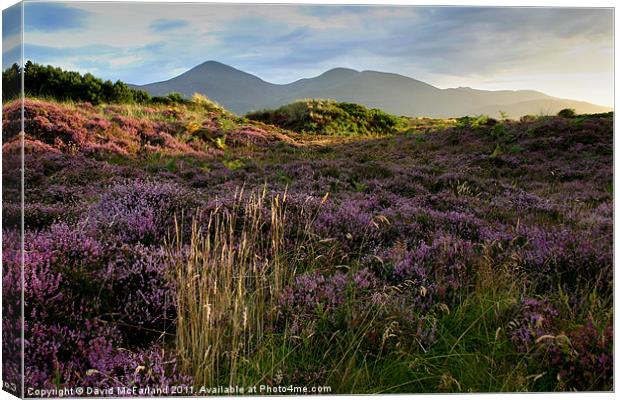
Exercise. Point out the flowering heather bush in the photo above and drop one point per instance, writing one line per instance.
(351, 223)
(58, 354)
(318, 303)
(440, 268)
(49, 123)
(585, 361)
(314, 292)
(555, 257)
(524, 202)
(141, 293)
(151, 135)
(88, 356)
(125, 130)
(69, 284)
(45, 306)
(137, 211)
(249, 135)
(535, 320)
(411, 324)
(14, 146)
(11, 305)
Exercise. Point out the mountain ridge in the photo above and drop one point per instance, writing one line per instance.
(242, 92)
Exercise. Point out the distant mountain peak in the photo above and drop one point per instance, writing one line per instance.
(214, 65)
(216, 70)
(339, 72)
(213, 62)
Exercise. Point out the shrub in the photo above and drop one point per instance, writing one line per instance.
(473, 122)
(534, 320)
(585, 361)
(313, 294)
(141, 293)
(170, 98)
(567, 113)
(136, 211)
(207, 104)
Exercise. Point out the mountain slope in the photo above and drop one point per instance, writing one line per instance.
(235, 89)
(241, 92)
(545, 106)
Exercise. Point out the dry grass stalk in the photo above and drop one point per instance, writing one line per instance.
(228, 281)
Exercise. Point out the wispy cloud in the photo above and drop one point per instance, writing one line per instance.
(163, 25)
(53, 17)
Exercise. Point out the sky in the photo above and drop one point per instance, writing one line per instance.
(564, 52)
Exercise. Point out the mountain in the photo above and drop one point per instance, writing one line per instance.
(236, 90)
(241, 92)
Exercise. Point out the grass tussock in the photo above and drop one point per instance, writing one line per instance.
(228, 280)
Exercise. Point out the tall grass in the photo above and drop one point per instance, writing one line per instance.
(228, 281)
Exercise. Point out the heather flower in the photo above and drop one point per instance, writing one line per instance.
(584, 361)
(140, 211)
(315, 294)
(11, 305)
(534, 320)
(141, 292)
(559, 256)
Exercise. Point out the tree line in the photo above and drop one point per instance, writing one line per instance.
(50, 81)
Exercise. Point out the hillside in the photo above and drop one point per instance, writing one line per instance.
(397, 94)
(327, 117)
(485, 242)
(197, 128)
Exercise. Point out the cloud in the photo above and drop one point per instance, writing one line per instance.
(11, 36)
(162, 25)
(467, 41)
(329, 11)
(53, 17)
(103, 61)
(446, 46)
(453, 41)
